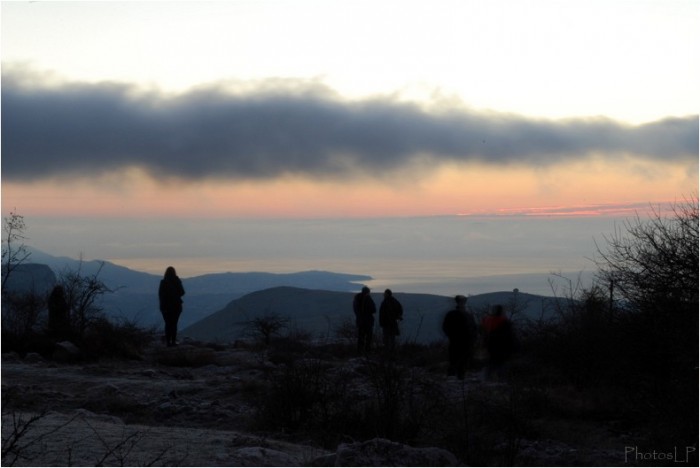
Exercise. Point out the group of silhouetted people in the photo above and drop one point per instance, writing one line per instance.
(461, 330)
(390, 313)
(458, 325)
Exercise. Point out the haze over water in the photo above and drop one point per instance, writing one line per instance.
(441, 255)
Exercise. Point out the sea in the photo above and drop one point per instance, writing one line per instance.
(445, 255)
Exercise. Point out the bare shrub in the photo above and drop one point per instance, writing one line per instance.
(120, 452)
(388, 381)
(300, 397)
(266, 327)
(346, 331)
(652, 268)
(405, 400)
(14, 252)
(632, 335)
(23, 435)
(120, 339)
(83, 293)
(26, 438)
(21, 320)
(653, 263)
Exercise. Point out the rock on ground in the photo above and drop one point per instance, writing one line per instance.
(382, 452)
(84, 438)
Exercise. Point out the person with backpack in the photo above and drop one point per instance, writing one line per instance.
(364, 308)
(170, 294)
(460, 328)
(390, 312)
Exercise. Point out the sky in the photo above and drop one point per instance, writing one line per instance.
(183, 121)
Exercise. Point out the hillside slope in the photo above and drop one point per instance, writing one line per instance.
(322, 312)
(134, 294)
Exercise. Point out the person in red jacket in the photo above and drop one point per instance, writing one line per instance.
(499, 339)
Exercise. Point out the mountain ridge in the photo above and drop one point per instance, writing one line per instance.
(134, 293)
(323, 313)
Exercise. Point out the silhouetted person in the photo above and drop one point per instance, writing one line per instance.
(59, 313)
(170, 295)
(390, 312)
(460, 328)
(364, 309)
(499, 339)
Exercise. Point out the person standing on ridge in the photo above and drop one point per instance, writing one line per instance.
(170, 294)
(390, 312)
(460, 328)
(364, 309)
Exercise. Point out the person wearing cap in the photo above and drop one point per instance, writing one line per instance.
(390, 312)
(364, 309)
(460, 328)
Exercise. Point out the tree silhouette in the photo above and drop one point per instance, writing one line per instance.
(267, 326)
(14, 252)
(653, 264)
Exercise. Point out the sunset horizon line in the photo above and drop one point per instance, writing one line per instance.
(574, 210)
(585, 210)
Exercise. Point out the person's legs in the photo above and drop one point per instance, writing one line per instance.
(364, 339)
(452, 362)
(173, 330)
(170, 327)
(168, 332)
(461, 365)
(166, 327)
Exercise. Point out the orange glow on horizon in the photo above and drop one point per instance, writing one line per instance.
(450, 189)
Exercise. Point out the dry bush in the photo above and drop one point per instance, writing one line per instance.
(622, 365)
(346, 331)
(331, 401)
(267, 327)
(107, 339)
(302, 396)
(22, 327)
(432, 356)
(20, 313)
(28, 439)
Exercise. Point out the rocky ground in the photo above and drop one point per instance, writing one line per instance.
(192, 406)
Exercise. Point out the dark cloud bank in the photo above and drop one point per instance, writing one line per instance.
(88, 128)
